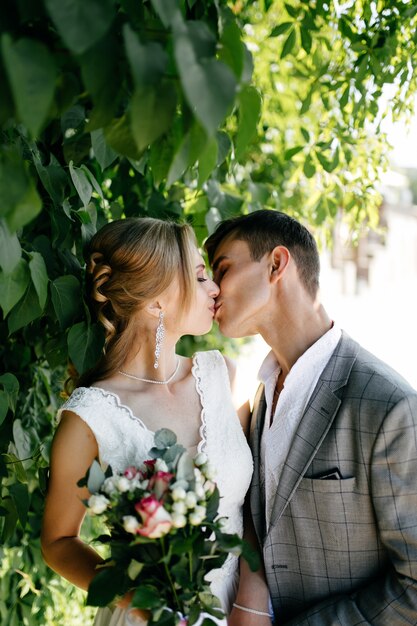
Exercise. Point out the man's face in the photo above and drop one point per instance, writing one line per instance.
(244, 288)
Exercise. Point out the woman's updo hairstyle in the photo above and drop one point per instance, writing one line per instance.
(130, 262)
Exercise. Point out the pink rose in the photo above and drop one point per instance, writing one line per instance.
(159, 483)
(130, 472)
(156, 520)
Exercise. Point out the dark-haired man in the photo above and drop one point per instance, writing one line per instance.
(334, 439)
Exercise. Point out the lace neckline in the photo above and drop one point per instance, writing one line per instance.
(195, 371)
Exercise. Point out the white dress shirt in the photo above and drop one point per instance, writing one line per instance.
(298, 387)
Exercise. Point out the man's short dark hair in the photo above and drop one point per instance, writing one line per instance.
(264, 230)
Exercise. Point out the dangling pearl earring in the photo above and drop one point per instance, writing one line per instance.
(159, 338)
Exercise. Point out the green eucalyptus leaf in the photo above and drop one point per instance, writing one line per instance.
(85, 344)
(66, 299)
(81, 24)
(13, 286)
(164, 438)
(32, 72)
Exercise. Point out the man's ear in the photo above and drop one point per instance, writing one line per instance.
(280, 258)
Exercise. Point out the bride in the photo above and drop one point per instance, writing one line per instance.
(149, 286)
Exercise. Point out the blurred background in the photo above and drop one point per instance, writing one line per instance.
(369, 287)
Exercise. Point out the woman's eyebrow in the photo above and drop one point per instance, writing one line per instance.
(200, 266)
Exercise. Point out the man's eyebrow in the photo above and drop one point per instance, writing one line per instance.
(218, 261)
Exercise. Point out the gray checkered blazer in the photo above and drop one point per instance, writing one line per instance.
(344, 552)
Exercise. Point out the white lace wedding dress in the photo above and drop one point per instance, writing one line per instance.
(123, 440)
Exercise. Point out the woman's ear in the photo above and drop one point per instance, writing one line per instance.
(280, 258)
(153, 309)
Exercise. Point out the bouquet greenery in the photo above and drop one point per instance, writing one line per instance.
(165, 535)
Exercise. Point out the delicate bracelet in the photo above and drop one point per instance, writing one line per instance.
(254, 611)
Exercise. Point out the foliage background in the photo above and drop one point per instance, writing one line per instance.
(179, 109)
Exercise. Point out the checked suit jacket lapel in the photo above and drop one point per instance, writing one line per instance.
(256, 496)
(315, 423)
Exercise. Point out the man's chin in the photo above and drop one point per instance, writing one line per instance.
(229, 331)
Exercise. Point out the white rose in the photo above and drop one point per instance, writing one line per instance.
(199, 491)
(178, 520)
(97, 504)
(123, 484)
(195, 520)
(200, 510)
(130, 524)
(109, 485)
(209, 486)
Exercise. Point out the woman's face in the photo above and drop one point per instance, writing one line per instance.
(198, 319)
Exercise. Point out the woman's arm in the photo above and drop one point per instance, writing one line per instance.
(73, 450)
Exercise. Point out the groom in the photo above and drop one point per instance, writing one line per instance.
(334, 440)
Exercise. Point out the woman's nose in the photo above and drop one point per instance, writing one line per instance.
(214, 289)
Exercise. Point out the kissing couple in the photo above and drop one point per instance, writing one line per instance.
(327, 462)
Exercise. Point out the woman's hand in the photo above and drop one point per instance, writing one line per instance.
(135, 616)
(238, 617)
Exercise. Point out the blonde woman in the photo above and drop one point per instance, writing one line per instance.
(150, 287)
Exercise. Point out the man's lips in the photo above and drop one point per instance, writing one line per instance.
(217, 307)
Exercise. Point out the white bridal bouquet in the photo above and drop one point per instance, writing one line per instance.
(165, 535)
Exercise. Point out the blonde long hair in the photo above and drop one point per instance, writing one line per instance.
(130, 262)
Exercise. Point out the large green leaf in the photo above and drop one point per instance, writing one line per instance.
(152, 111)
(25, 311)
(104, 154)
(104, 587)
(32, 72)
(19, 200)
(119, 137)
(20, 494)
(13, 286)
(4, 405)
(66, 299)
(10, 249)
(187, 154)
(148, 61)
(209, 85)
(249, 112)
(11, 388)
(39, 277)
(81, 183)
(81, 24)
(85, 343)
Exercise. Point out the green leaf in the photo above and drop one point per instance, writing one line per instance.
(85, 343)
(289, 43)
(146, 597)
(209, 85)
(134, 569)
(81, 24)
(249, 113)
(39, 277)
(106, 584)
(13, 286)
(280, 29)
(15, 465)
(148, 62)
(104, 154)
(20, 495)
(4, 405)
(168, 12)
(309, 168)
(32, 73)
(152, 112)
(10, 250)
(306, 40)
(119, 136)
(232, 49)
(207, 161)
(292, 11)
(25, 311)
(66, 299)
(10, 520)
(164, 438)
(81, 184)
(189, 150)
(19, 200)
(288, 154)
(11, 388)
(53, 177)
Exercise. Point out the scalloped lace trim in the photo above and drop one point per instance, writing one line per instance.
(196, 372)
(108, 395)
